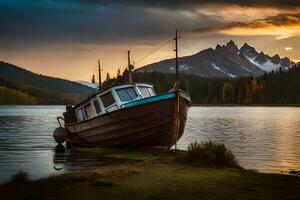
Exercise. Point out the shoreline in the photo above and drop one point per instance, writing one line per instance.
(155, 176)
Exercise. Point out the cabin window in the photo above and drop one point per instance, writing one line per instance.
(97, 106)
(126, 94)
(80, 114)
(89, 112)
(107, 99)
(110, 109)
(146, 91)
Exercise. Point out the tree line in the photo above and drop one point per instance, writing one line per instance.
(11, 96)
(276, 87)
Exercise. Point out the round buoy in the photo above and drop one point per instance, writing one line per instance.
(60, 135)
(60, 149)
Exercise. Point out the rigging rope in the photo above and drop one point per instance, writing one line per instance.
(187, 46)
(193, 53)
(153, 51)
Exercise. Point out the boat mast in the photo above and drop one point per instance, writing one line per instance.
(176, 52)
(129, 69)
(99, 70)
(176, 87)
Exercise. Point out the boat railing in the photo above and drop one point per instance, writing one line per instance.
(151, 99)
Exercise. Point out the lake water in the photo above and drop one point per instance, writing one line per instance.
(262, 138)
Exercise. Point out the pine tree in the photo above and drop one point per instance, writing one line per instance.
(93, 80)
(119, 73)
(227, 93)
(107, 77)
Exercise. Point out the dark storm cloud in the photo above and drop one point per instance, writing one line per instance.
(184, 4)
(89, 22)
(25, 22)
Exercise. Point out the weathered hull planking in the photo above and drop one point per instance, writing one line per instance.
(146, 125)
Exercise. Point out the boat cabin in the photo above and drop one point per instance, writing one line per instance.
(112, 99)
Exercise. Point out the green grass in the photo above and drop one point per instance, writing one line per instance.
(157, 176)
(121, 153)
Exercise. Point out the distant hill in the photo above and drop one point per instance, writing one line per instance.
(43, 89)
(89, 84)
(223, 61)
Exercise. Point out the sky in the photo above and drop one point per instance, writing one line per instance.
(65, 38)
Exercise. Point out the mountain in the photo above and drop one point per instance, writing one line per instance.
(89, 84)
(223, 61)
(276, 87)
(263, 61)
(42, 89)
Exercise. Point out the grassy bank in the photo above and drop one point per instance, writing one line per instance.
(155, 176)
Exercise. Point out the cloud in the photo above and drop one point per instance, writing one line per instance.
(281, 26)
(82, 22)
(64, 37)
(188, 4)
(25, 22)
(278, 20)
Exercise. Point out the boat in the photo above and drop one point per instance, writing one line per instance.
(129, 115)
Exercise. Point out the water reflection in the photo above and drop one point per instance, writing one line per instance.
(263, 138)
(25, 140)
(267, 139)
(72, 160)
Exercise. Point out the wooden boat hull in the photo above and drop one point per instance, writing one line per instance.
(152, 123)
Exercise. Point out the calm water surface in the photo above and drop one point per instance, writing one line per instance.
(262, 138)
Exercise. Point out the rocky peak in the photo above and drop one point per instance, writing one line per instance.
(224, 61)
(249, 51)
(275, 59)
(218, 47)
(231, 46)
(246, 45)
(261, 58)
(286, 62)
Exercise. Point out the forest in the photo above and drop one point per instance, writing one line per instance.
(20, 86)
(276, 87)
(11, 96)
(282, 87)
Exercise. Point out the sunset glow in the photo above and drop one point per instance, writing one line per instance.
(66, 38)
(281, 32)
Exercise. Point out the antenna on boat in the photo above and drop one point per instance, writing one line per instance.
(129, 69)
(99, 70)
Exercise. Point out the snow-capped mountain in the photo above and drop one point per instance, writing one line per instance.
(263, 61)
(223, 61)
